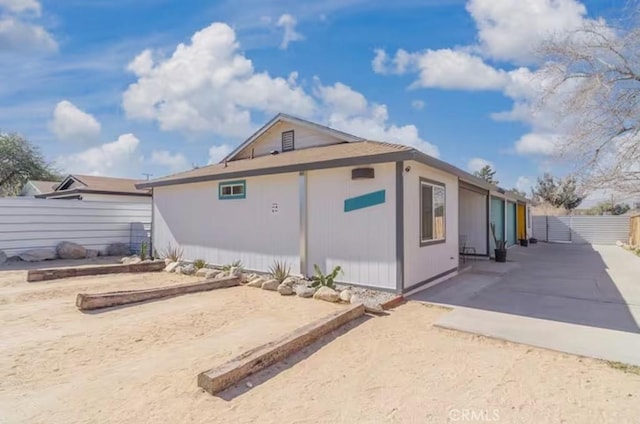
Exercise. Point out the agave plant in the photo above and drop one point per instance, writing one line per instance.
(199, 263)
(280, 271)
(320, 279)
(172, 252)
(235, 264)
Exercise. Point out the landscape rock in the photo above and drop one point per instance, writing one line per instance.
(171, 267)
(235, 271)
(129, 260)
(221, 275)
(178, 269)
(304, 291)
(69, 250)
(167, 261)
(201, 272)
(345, 295)
(211, 273)
(3, 257)
(374, 308)
(327, 294)
(118, 249)
(188, 269)
(92, 253)
(35, 255)
(290, 281)
(271, 284)
(256, 282)
(285, 289)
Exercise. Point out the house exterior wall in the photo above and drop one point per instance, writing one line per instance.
(258, 229)
(473, 219)
(428, 262)
(116, 198)
(361, 241)
(29, 190)
(272, 140)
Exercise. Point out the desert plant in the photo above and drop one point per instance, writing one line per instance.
(199, 263)
(143, 250)
(500, 244)
(280, 271)
(235, 264)
(320, 280)
(172, 252)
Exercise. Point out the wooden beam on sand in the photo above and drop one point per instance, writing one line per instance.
(56, 273)
(87, 302)
(219, 378)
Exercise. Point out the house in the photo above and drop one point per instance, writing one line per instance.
(391, 216)
(35, 187)
(105, 189)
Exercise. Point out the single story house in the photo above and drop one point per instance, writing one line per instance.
(391, 216)
(104, 189)
(34, 187)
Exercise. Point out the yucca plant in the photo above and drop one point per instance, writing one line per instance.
(280, 271)
(235, 264)
(500, 244)
(172, 252)
(319, 279)
(143, 250)
(199, 263)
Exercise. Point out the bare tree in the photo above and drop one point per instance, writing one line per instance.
(593, 74)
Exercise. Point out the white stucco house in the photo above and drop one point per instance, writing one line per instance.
(391, 216)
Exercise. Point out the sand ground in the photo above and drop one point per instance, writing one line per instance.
(139, 364)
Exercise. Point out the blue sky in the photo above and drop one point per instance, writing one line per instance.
(102, 86)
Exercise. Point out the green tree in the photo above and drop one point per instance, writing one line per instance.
(21, 161)
(559, 192)
(609, 208)
(518, 192)
(487, 174)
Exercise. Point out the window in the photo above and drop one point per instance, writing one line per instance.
(232, 190)
(287, 141)
(432, 212)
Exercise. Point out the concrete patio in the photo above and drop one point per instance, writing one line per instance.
(578, 299)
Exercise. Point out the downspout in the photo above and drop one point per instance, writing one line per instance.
(302, 197)
(399, 227)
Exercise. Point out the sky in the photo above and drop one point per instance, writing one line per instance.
(128, 88)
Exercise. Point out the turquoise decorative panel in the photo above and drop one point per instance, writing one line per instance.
(364, 201)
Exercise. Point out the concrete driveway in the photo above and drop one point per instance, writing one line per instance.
(579, 299)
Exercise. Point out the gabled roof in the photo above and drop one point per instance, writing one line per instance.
(97, 185)
(283, 117)
(44, 186)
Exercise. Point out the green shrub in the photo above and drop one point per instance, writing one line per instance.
(235, 264)
(199, 263)
(143, 251)
(174, 253)
(319, 279)
(280, 271)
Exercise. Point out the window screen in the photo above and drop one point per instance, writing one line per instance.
(432, 212)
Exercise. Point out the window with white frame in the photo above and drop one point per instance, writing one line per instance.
(432, 212)
(232, 190)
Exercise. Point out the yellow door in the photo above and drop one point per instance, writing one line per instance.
(522, 220)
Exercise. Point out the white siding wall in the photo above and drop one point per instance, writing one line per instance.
(272, 140)
(422, 263)
(362, 241)
(473, 219)
(27, 223)
(222, 231)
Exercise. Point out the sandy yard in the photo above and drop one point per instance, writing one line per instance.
(139, 364)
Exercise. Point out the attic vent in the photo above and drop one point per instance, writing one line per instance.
(362, 173)
(287, 141)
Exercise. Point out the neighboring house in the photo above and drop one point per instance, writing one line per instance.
(391, 216)
(34, 187)
(105, 189)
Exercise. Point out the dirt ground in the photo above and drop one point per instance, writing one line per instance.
(139, 364)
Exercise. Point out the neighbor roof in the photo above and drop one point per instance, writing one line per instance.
(44, 186)
(99, 185)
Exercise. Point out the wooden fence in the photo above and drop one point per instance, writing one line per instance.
(634, 232)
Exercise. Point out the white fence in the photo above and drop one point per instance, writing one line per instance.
(27, 223)
(582, 229)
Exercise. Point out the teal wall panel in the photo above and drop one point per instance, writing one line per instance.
(364, 201)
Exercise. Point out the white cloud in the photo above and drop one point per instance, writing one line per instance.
(217, 153)
(17, 35)
(536, 144)
(524, 184)
(117, 158)
(510, 30)
(175, 162)
(348, 110)
(207, 85)
(71, 124)
(417, 104)
(401, 63)
(476, 164)
(21, 6)
(288, 23)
